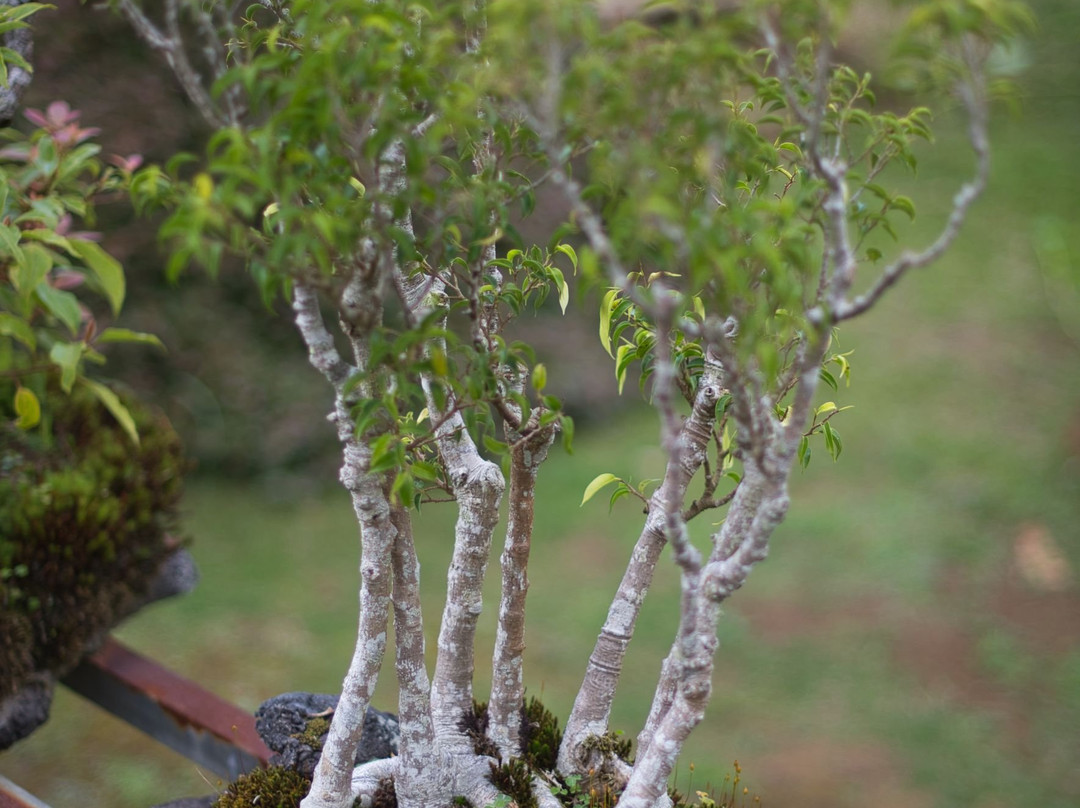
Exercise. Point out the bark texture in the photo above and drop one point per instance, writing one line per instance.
(592, 707)
(507, 686)
(22, 42)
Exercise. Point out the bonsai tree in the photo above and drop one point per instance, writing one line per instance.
(729, 192)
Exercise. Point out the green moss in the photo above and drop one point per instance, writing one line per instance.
(514, 778)
(540, 741)
(83, 528)
(475, 725)
(540, 735)
(314, 732)
(278, 787)
(611, 744)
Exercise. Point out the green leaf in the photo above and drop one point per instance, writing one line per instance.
(828, 378)
(23, 11)
(598, 482)
(403, 489)
(567, 425)
(384, 454)
(106, 269)
(422, 470)
(27, 408)
(127, 335)
(12, 326)
(568, 251)
(9, 238)
(562, 286)
(66, 355)
(64, 306)
(539, 377)
(115, 406)
(905, 204)
(47, 236)
(606, 306)
(32, 264)
(623, 357)
(833, 442)
(804, 451)
(616, 495)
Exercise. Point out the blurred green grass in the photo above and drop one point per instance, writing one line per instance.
(888, 653)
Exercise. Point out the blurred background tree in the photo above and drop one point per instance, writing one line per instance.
(944, 669)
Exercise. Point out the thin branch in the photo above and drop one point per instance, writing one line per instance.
(322, 353)
(171, 47)
(973, 96)
(702, 504)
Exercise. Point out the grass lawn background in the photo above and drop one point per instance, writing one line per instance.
(891, 651)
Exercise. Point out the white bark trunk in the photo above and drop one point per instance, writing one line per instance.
(478, 486)
(331, 787)
(421, 781)
(592, 707)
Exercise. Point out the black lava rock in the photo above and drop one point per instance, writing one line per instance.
(26, 710)
(294, 726)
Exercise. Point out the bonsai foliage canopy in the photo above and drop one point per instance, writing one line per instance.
(728, 183)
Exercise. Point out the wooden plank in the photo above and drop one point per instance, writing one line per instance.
(171, 709)
(11, 796)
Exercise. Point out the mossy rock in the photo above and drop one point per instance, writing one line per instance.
(85, 522)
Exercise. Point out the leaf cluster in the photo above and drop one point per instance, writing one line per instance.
(50, 179)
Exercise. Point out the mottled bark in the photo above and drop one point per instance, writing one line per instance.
(478, 486)
(331, 785)
(377, 533)
(21, 41)
(420, 783)
(592, 707)
(507, 688)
